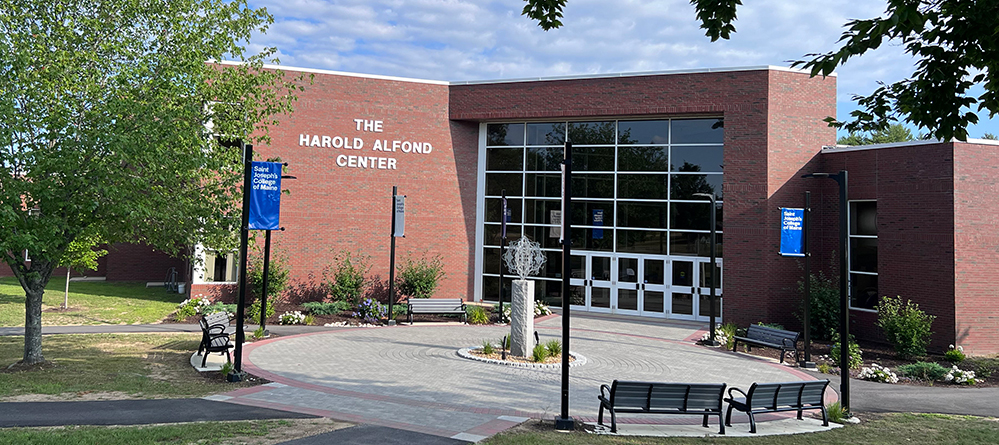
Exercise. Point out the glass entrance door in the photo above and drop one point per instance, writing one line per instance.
(627, 292)
(682, 289)
(601, 282)
(653, 287)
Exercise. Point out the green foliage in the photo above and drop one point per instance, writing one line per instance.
(257, 334)
(477, 315)
(371, 311)
(322, 308)
(856, 359)
(990, 136)
(277, 275)
(824, 368)
(227, 367)
(836, 413)
(81, 254)
(219, 306)
(103, 127)
(419, 277)
(539, 353)
(891, 133)
(554, 347)
(730, 330)
(253, 311)
(905, 326)
(824, 310)
(184, 312)
(954, 355)
(345, 277)
(928, 371)
(546, 12)
(398, 310)
(191, 307)
(309, 320)
(487, 347)
(771, 325)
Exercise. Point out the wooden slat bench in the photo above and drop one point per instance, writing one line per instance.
(214, 337)
(769, 337)
(440, 306)
(777, 397)
(702, 399)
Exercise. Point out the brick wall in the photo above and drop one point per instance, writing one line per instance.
(976, 259)
(913, 186)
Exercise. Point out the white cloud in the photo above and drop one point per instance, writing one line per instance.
(489, 39)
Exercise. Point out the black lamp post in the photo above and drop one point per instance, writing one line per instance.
(564, 422)
(713, 268)
(844, 307)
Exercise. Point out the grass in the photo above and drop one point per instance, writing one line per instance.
(90, 302)
(202, 433)
(136, 365)
(912, 429)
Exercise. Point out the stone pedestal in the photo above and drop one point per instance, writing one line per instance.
(522, 318)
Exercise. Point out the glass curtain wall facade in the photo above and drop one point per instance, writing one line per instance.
(640, 238)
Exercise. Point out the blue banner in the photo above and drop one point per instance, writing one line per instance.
(598, 220)
(265, 196)
(791, 225)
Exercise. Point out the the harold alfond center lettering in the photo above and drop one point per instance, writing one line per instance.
(384, 146)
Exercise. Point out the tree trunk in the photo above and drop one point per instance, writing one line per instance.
(33, 324)
(65, 301)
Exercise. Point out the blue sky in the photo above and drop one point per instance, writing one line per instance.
(459, 40)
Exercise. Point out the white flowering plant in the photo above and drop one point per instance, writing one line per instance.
(957, 376)
(294, 317)
(878, 373)
(191, 307)
(720, 336)
(955, 354)
(540, 309)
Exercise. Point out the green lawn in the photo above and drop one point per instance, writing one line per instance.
(913, 429)
(90, 302)
(206, 433)
(137, 365)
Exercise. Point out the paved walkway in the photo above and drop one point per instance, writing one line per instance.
(410, 377)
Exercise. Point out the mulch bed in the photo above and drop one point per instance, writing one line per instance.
(884, 355)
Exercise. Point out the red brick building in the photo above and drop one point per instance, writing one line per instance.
(644, 144)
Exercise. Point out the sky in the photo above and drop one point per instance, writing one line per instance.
(459, 40)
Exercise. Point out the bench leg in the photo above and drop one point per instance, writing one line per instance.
(613, 420)
(204, 359)
(799, 413)
(721, 425)
(782, 354)
(728, 416)
(600, 415)
(704, 423)
(825, 417)
(752, 422)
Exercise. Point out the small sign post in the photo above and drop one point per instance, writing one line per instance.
(398, 230)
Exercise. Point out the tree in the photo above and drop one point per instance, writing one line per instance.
(115, 123)
(81, 254)
(893, 133)
(946, 37)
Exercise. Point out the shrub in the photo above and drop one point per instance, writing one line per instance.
(905, 326)
(295, 317)
(477, 315)
(398, 310)
(856, 360)
(720, 336)
(346, 282)
(487, 347)
(220, 307)
(554, 348)
(824, 368)
(277, 275)
(960, 377)
(191, 307)
(322, 308)
(878, 373)
(418, 278)
(371, 311)
(540, 310)
(824, 308)
(227, 368)
(309, 320)
(730, 330)
(923, 370)
(836, 412)
(955, 355)
(540, 353)
(253, 311)
(258, 333)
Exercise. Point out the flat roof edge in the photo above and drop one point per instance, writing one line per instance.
(638, 74)
(342, 73)
(848, 148)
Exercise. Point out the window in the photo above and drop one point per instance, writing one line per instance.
(863, 254)
(221, 266)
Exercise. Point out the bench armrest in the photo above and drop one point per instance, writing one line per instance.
(216, 327)
(789, 344)
(607, 395)
(732, 396)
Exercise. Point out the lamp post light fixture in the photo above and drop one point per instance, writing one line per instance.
(714, 280)
(844, 307)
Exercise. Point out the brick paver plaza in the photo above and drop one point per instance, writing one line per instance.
(410, 377)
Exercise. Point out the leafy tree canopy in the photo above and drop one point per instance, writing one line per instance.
(893, 133)
(105, 111)
(952, 40)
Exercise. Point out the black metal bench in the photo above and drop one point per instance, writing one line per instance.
(768, 337)
(703, 399)
(214, 337)
(777, 397)
(440, 306)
